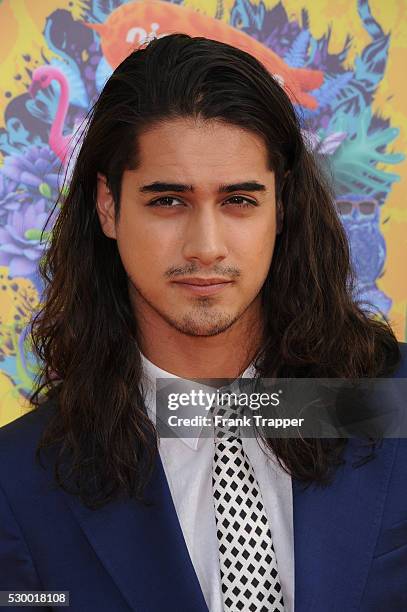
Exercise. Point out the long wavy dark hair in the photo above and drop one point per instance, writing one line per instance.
(85, 334)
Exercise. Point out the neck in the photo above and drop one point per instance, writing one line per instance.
(226, 355)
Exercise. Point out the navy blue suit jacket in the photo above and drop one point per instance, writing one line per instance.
(350, 539)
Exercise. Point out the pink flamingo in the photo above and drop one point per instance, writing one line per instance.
(41, 79)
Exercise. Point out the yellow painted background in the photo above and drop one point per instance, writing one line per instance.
(22, 23)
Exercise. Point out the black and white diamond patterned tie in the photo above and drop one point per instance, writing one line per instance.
(248, 564)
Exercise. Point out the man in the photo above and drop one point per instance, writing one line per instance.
(198, 241)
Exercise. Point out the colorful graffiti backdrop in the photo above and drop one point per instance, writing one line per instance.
(343, 62)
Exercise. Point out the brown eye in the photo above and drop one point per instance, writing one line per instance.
(164, 202)
(248, 203)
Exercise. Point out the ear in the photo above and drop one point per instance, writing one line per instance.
(105, 207)
(280, 217)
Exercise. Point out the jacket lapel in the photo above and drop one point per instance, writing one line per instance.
(143, 549)
(335, 531)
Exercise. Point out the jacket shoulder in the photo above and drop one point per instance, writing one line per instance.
(401, 371)
(19, 438)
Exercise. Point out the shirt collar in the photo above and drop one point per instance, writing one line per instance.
(150, 373)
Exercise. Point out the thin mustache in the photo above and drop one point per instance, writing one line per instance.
(230, 273)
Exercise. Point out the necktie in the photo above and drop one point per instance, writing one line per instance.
(248, 564)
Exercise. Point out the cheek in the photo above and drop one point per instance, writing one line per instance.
(254, 247)
(146, 252)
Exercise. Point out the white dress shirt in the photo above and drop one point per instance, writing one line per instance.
(187, 464)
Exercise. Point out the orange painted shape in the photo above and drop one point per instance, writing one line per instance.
(128, 26)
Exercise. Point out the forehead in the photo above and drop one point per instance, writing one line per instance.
(185, 148)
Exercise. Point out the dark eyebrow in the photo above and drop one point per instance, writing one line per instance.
(159, 187)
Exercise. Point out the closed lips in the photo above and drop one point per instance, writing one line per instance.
(202, 281)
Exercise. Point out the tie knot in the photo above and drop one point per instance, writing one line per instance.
(227, 415)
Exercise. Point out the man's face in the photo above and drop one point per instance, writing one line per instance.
(172, 238)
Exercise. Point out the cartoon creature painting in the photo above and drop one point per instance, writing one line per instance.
(133, 24)
(360, 216)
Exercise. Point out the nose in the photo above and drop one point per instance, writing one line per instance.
(204, 238)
